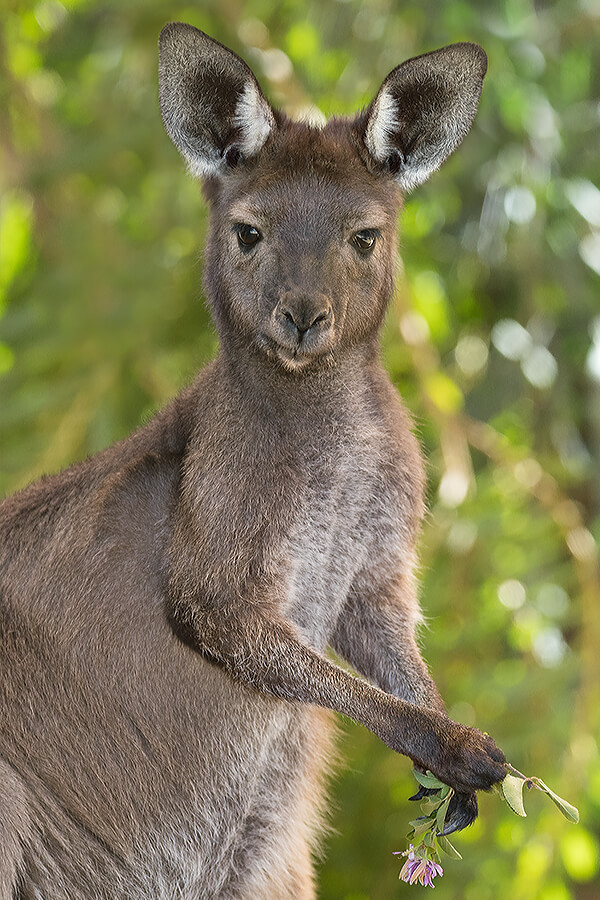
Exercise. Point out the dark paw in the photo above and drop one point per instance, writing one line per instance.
(462, 809)
(464, 758)
(470, 760)
(485, 759)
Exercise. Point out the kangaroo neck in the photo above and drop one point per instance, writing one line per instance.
(279, 397)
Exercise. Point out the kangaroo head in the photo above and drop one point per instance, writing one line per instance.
(301, 252)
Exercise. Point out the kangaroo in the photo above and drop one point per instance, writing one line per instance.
(167, 605)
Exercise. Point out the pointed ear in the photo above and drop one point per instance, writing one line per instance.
(211, 104)
(423, 110)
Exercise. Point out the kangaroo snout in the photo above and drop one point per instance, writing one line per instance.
(302, 325)
(298, 312)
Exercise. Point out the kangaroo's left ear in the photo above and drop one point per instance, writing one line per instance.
(212, 107)
(423, 110)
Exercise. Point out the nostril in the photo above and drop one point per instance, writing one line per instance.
(289, 317)
(303, 319)
(322, 316)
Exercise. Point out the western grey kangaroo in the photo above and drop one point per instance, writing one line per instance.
(167, 605)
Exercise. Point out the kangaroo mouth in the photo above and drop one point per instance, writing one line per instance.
(305, 351)
(298, 338)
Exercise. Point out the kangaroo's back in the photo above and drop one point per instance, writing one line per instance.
(166, 606)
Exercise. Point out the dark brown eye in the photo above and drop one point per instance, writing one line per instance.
(247, 236)
(364, 240)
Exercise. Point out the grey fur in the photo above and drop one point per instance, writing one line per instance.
(166, 605)
(422, 135)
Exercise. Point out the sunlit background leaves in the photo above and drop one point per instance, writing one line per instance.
(493, 339)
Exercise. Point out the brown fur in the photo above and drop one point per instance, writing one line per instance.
(166, 606)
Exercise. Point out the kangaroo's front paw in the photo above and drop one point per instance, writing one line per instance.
(473, 762)
(465, 758)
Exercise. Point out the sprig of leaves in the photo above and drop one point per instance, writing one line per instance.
(427, 829)
(426, 838)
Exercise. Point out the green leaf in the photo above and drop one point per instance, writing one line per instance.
(512, 791)
(569, 811)
(428, 780)
(448, 848)
(430, 805)
(422, 824)
(430, 840)
(441, 814)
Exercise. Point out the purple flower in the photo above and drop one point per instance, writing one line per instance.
(417, 868)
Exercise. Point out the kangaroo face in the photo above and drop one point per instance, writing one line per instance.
(300, 258)
(303, 248)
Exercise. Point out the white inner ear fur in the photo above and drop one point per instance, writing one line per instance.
(197, 165)
(412, 178)
(254, 118)
(379, 141)
(381, 125)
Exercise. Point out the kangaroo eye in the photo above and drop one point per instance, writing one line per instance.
(364, 240)
(247, 236)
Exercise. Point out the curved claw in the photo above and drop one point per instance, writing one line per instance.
(462, 809)
(462, 812)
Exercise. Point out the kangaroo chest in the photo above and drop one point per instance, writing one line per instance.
(318, 491)
(346, 506)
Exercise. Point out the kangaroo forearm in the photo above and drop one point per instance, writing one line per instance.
(398, 673)
(268, 656)
(266, 653)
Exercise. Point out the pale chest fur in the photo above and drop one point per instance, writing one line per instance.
(352, 517)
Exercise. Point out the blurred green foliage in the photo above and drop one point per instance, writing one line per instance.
(493, 339)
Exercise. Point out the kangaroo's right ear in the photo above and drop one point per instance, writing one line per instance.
(423, 110)
(211, 104)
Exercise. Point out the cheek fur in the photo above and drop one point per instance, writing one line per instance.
(368, 291)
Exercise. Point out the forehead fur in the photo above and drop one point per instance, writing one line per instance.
(298, 155)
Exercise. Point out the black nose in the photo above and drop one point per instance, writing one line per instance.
(300, 314)
(303, 321)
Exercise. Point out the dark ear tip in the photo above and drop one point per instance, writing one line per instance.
(168, 31)
(168, 35)
(467, 54)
